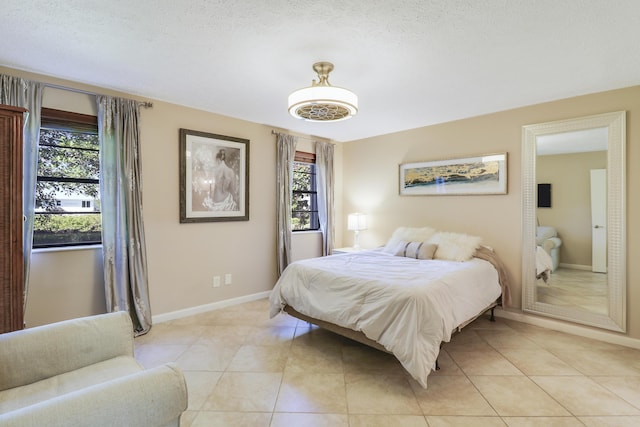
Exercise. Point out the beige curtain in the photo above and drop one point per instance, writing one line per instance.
(324, 185)
(19, 92)
(123, 240)
(286, 151)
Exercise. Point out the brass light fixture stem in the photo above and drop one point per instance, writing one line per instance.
(322, 69)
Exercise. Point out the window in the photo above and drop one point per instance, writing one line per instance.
(304, 203)
(67, 209)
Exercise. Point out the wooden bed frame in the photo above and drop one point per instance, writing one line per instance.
(362, 338)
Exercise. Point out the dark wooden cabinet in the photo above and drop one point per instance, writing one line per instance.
(11, 258)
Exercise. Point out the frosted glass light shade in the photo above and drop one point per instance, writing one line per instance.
(323, 103)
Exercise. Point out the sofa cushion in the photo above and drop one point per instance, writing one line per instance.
(33, 354)
(20, 397)
(150, 398)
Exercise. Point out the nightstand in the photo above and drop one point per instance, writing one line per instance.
(346, 250)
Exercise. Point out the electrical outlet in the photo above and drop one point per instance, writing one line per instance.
(227, 279)
(216, 281)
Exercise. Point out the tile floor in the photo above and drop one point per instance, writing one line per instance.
(244, 369)
(576, 288)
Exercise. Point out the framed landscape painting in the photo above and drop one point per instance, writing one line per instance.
(214, 177)
(471, 175)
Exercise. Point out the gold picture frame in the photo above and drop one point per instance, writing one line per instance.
(486, 174)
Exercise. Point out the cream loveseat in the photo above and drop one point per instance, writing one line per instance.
(81, 372)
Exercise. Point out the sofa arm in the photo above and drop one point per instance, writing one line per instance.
(41, 352)
(155, 397)
(551, 243)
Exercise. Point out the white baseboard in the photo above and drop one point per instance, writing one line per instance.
(609, 337)
(575, 266)
(173, 315)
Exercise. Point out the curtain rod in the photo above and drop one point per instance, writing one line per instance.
(274, 132)
(146, 104)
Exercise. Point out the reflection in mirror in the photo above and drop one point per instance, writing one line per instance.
(574, 242)
(571, 232)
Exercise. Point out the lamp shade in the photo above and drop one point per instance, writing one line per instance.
(357, 222)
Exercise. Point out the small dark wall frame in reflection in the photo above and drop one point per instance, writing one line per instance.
(214, 177)
(544, 195)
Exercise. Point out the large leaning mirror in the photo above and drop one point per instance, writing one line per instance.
(574, 237)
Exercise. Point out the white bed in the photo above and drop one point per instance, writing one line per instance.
(408, 306)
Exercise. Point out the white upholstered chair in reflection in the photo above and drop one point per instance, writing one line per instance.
(547, 238)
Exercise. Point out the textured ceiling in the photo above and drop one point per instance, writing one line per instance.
(412, 63)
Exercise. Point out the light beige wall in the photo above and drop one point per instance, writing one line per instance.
(182, 258)
(371, 181)
(570, 211)
(65, 285)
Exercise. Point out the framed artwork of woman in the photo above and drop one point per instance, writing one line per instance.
(214, 177)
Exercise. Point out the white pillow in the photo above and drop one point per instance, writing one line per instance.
(455, 246)
(416, 250)
(408, 234)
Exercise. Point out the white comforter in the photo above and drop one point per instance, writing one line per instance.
(408, 306)
(544, 264)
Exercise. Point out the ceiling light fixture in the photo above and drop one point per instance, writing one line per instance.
(322, 102)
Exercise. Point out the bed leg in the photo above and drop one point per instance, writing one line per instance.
(492, 318)
(437, 365)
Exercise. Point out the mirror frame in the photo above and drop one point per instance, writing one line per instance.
(616, 222)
